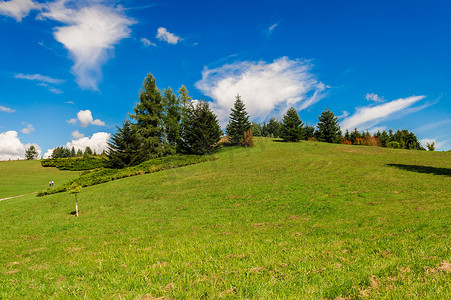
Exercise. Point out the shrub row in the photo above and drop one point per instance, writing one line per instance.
(89, 178)
(76, 163)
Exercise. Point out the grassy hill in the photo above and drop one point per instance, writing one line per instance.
(27, 176)
(279, 220)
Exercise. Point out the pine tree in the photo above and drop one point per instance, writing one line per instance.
(200, 130)
(123, 146)
(256, 129)
(328, 129)
(292, 130)
(309, 132)
(172, 117)
(238, 122)
(149, 121)
(272, 128)
(72, 152)
(31, 153)
(79, 152)
(88, 151)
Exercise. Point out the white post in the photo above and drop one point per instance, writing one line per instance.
(76, 205)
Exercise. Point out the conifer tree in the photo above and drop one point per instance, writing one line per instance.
(172, 117)
(272, 128)
(309, 132)
(79, 152)
(149, 121)
(72, 152)
(238, 122)
(292, 130)
(328, 129)
(31, 153)
(123, 147)
(200, 130)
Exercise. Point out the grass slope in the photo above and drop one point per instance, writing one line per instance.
(28, 176)
(279, 220)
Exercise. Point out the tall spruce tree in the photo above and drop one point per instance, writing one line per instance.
(172, 117)
(200, 130)
(238, 122)
(149, 121)
(123, 147)
(292, 130)
(328, 129)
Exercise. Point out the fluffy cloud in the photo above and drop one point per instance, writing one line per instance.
(147, 43)
(374, 97)
(18, 9)
(12, 148)
(77, 135)
(98, 142)
(39, 77)
(85, 118)
(6, 109)
(266, 88)
(369, 116)
(439, 145)
(89, 34)
(29, 129)
(164, 35)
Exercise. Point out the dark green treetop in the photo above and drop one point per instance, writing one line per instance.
(328, 129)
(291, 130)
(238, 122)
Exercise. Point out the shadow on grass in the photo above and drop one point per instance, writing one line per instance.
(423, 169)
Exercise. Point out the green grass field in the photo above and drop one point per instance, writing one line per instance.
(28, 176)
(280, 220)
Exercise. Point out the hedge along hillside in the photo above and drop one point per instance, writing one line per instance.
(102, 175)
(76, 163)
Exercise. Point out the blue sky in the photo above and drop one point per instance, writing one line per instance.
(70, 71)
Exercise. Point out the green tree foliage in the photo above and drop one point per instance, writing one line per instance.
(328, 129)
(60, 152)
(72, 152)
(238, 122)
(431, 146)
(407, 140)
(123, 147)
(31, 153)
(88, 151)
(200, 130)
(171, 118)
(149, 121)
(309, 132)
(79, 152)
(184, 98)
(292, 130)
(256, 129)
(272, 128)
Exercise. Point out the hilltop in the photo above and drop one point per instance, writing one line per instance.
(277, 220)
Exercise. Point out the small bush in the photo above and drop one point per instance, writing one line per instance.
(248, 139)
(312, 139)
(346, 142)
(394, 145)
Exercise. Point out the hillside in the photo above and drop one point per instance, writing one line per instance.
(27, 176)
(279, 220)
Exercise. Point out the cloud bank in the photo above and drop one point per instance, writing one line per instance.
(369, 116)
(85, 118)
(18, 9)
(164, 35)
(266, 88)
(12, 148)
(89, 34)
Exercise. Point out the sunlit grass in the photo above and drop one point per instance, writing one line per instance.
(279, 220)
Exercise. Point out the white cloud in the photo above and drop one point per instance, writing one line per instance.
(343, 115)
(369, 116)
(266, 88)
(269, 30)
(374, 97)
(12, 148)
(6, 109)
(164, 35)
(85, 118)
(147, 42)
(18, 9)
(77, 135)
(39, 77)
(374, 130)
(49, 153)
(29, 129)
(89, 34)
(98, 142)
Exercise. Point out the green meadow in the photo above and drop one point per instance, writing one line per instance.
(278, 220)
(27, 176)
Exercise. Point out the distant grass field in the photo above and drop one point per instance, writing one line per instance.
(27, 176)
(279, 220)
